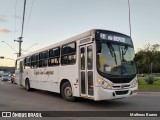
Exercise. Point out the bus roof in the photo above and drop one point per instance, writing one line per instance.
(74, 38)
(69, 40)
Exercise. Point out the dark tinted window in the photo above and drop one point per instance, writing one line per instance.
(68, 54)
(27, 62)
(72, 48)
(43, 59)
(33, 58)
(43, 55)
(34, 61)
(54, 57)
(54, 52)
(69, 48)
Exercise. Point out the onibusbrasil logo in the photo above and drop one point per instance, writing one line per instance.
(21, 114)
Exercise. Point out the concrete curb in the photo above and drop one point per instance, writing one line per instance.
(155, 92)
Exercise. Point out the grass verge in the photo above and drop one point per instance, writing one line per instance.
(143, 86)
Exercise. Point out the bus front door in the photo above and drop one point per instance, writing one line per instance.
(19, 72)
(86, 71)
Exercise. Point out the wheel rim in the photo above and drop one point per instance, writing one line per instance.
(68, 91)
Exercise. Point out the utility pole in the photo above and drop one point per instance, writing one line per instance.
(20, 45)
(20, 38)
(129, 12)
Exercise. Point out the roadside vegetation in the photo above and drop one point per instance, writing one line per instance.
(148, 60)
(148, 67)
(145, 86)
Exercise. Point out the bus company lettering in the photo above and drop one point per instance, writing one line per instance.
(43, 72)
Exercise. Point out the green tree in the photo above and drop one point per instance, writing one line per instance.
(147, 59)
(156, 64)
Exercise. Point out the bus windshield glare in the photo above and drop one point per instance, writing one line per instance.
(116, 59)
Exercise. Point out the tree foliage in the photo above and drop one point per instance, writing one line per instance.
(148, 59)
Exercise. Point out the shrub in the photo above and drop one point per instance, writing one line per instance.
(150, 79)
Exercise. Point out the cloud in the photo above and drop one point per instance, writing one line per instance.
(2, 20)
(4, 31)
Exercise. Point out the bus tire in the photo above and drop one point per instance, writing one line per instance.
(66, 92)
(27, 85)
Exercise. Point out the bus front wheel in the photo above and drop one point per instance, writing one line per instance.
(27, 85)
(66, 92)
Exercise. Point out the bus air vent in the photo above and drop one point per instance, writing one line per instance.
(121, 92)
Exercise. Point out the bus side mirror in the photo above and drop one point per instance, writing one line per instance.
(99, 47)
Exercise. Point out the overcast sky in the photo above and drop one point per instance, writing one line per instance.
(50, 21)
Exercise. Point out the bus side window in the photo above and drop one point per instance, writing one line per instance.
(21, 66)
(40, 59)
(68, 54)
(37, 61)
(54, 55)
(43, 59)
(27, 62)
(72, 53)
(34, 61)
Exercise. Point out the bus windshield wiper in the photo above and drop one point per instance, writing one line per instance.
(112, 52)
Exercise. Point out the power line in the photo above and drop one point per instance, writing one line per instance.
(29, 17)
(15, 21)
(29, 47)
(15, 18)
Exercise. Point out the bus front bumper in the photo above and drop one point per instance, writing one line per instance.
(107, 94)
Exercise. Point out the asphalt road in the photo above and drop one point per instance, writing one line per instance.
(16, 98)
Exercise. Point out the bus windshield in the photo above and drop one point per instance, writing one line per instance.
(116, 59)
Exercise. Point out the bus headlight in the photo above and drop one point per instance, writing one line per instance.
(134, 84)
(104, 84)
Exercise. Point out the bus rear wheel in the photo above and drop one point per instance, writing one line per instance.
(66, 92)
(27, 85)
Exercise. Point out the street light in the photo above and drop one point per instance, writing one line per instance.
(20, 51)
(29, 47)
(11, 47)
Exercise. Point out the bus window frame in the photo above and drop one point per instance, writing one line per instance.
(43, 59)
(69, 54)
(50, 58)
(27, 65)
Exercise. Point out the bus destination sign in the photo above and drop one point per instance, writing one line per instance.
(112, 37)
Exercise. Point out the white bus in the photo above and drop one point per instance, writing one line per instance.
(97, 64)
